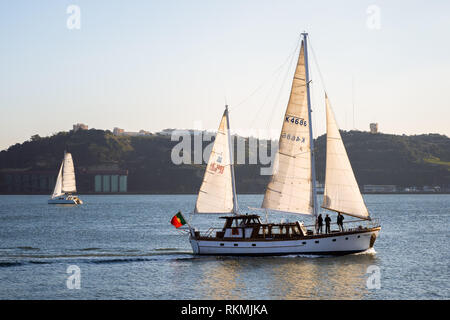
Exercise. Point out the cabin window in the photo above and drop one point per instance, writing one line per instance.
(334, 239)
(221, 244)
(236, 244)
(304, 242)
(359, 236)
(253, 244)
(346, 238)
(317, 241)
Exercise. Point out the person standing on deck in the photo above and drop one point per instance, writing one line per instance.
(327, 224)
(319, 224)
(340, 222)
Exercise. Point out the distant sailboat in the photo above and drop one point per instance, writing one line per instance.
(292, 189)
(65, 183)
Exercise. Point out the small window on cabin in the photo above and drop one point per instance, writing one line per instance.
(346, 238)
(253, 244)
(359, 236)
(304, 242)
(317, 241)
(236, 244)
(334, 239)
(221, 244)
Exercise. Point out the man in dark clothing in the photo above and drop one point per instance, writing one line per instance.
(327, 224)
(320, 224)
(340, 222)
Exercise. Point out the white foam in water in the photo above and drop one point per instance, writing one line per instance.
(368, 251)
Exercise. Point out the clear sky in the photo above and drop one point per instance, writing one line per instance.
(172, 64)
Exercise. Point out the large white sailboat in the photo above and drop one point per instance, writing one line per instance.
(65, 184)
(292, 189)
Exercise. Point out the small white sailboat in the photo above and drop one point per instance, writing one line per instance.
(65, 184)
(292, 189)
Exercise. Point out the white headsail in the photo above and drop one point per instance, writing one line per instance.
(290, 188)
(217, 192)
(341, 189)
(57, 191)
(68, 181)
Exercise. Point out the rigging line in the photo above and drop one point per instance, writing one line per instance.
(291, 58)
(265, 101)
(275, 72)
(269, 120)
(317, 65)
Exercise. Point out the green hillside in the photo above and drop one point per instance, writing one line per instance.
(376, 158)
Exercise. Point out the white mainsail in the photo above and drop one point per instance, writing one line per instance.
(341, 189)
(290, 188)
(217, 192)
(68, 181)
(57, 191)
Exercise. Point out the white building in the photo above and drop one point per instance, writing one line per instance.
(79, 126)
(374, 128)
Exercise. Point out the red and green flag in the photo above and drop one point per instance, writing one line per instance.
(178, 220)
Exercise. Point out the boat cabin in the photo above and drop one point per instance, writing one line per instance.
(249, 226)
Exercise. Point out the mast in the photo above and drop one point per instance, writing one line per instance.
(233, 182)
(311, 137)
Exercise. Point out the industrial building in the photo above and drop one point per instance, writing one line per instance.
(42, 182)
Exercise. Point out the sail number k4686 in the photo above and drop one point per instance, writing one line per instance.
(295, 120)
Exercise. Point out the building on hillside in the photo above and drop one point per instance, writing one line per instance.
(79, 126)
(122, 132)
(431, 188)
(374, 128)
(372, 188)
(118, 131)
(166, 132)
(43, 182)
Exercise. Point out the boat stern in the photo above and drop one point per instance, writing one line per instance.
(194, 245)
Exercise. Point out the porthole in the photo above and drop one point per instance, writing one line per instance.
(346, 238)
(359, 236)
(304, 242)
(221, 244)
(334, 239)
(236, 244)
(317, 241)
(253, 244)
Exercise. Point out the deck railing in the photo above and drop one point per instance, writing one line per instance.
(276, 229)
(351, 225)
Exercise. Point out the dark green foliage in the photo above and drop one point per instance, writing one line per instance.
(376, 159)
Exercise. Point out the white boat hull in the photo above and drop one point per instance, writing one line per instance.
(69, 200)
(342, 243)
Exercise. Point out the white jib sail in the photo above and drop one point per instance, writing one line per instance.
(216, 191)
(341, 189)
(57, 191)
(290, 188)
(68, 181)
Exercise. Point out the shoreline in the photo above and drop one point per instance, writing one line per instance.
(184, 193)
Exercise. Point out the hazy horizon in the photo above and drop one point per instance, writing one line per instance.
(170, 64)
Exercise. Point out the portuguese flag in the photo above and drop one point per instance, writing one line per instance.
(178, 220)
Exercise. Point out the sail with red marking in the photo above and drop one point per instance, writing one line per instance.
(217, 193)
